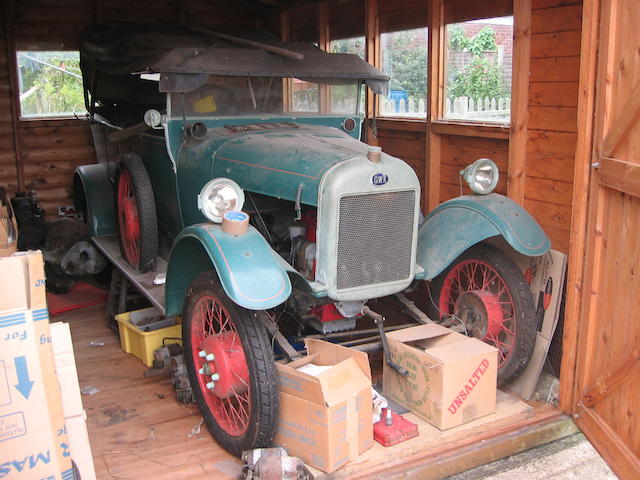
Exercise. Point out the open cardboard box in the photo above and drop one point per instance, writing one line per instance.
(326, 418)
(33, 437)
(452, 378)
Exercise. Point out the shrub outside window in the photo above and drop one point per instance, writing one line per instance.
(50, 84)
(478, 70)
(404, 58)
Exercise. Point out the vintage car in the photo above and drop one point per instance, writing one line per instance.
(264, 217)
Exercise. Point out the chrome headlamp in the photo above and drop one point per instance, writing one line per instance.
(219, 196)
(481, 176)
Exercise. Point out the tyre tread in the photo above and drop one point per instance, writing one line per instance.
(147, 214)
(259, 353)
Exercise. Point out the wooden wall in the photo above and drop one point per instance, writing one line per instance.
(459, 151)
(51, 149)
(405, 140)
(552, 127)
(8, 177)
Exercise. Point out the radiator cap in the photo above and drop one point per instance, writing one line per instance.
(374, 153)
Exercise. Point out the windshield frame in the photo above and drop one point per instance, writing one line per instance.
(177, 98)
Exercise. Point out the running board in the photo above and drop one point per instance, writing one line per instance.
(110, 247)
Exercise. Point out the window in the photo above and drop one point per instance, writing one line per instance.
(50, 84)
(305, 96)
(478, 70)
(404, 59)
(344, 97)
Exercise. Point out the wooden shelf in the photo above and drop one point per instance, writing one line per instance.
(109, 246)
(442, 127)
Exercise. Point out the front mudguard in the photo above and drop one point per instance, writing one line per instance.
(246, 265)
(457, 224)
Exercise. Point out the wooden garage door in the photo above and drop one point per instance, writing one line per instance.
(608, 374)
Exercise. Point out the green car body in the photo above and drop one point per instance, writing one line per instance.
(310, 154)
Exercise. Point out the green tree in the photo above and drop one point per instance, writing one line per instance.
(354, 45)
(406, 62)
(480, 79)
(50, 83)
(482, 76)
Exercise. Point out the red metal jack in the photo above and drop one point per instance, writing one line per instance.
(393, 428)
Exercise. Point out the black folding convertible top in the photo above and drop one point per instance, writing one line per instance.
(185, 57)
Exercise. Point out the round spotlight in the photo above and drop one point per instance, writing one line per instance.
(481, 176)
(219, 196)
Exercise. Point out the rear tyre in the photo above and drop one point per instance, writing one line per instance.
(137, 221)
(485, 291)
(230, 366)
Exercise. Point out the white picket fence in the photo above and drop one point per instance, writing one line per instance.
(460, 108)
(411, 108)
(492, 109)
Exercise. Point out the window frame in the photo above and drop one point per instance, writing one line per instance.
(53, 117)
(441, 119)
(379, 99)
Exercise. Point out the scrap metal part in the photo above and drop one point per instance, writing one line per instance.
(168, 360)
(273, 464)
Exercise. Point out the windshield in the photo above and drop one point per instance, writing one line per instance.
(248, 96)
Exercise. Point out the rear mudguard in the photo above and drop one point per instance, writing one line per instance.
(93, 193)
(457, 224)
(246, 265)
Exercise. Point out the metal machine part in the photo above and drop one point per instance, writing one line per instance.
(350, 309)
(272, 464)
(410, 308)
(334, 325)
(168, 360)
(278, 338)
(180, 380)
(379, 321)
(326, 318)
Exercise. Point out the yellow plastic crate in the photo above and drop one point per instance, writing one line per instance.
(143, 344)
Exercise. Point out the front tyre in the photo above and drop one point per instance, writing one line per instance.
(230, 366)
(485, 291)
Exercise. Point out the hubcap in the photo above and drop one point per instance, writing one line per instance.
(474, 293)
(481, 314)
(228, 364)
(220, 365)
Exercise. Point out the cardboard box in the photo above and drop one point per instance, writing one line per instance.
(326, 418)
(546, 277)
(74, 414)
(33, 440)
(79, 445)
(452, 378)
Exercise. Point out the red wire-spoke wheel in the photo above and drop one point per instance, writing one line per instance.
(136, 209)
(128, 218)
(231, 368)
(484, 292)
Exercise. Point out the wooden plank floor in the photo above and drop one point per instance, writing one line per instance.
(139, 430)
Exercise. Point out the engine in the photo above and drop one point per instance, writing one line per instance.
(359, 243)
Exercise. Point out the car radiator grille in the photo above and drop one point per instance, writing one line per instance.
(375, 235)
